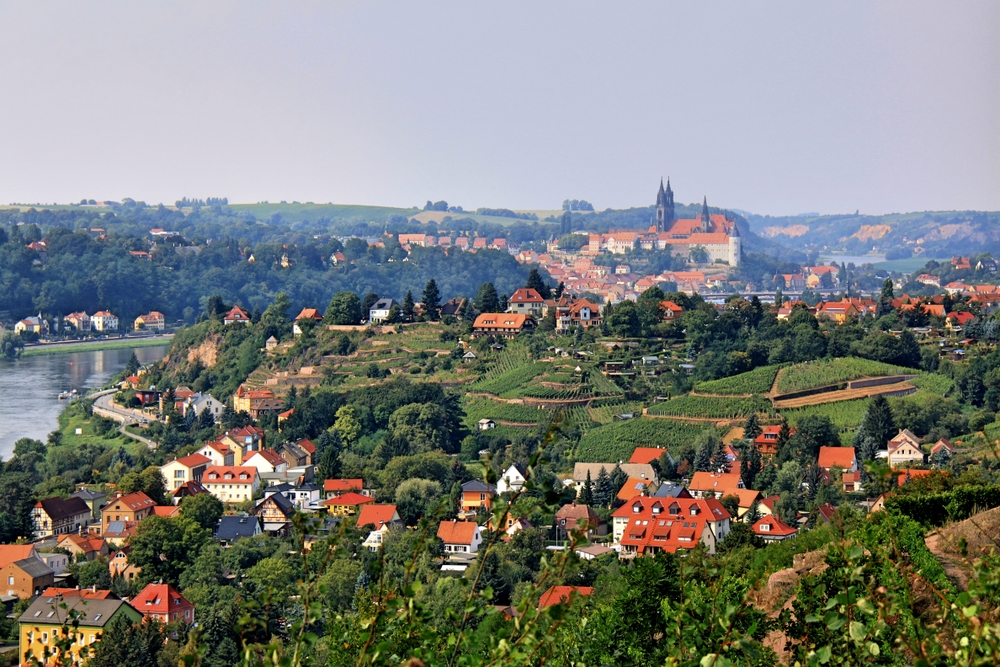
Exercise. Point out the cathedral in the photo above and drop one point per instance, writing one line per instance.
(715, 233)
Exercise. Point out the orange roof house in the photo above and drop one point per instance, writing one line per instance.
(236, 315)
(502, 325)
(837, 457)
(164, 603)
(772, 529)
(647, 525)
(333, 487)
(347, 504)
(563, 595)
(715, 484)
(460, 536)
(634, 487)
(377, 515)
(646, 454)
(309, 314)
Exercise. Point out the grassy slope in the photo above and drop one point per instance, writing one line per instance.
(94, 347)
(294, 212)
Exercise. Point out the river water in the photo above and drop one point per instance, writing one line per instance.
(29, 387)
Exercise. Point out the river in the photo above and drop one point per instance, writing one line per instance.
(29, 407)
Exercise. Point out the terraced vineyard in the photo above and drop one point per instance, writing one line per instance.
(513, 369)
(813, 374)
(712, 407)
(616, 441)
(484, 408)
(757, 381)
(605, 414)
(843, 414)
(932, 382)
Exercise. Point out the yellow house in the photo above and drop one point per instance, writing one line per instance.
(347, 504)
(42, 626)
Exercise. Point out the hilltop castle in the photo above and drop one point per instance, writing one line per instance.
(715, 233)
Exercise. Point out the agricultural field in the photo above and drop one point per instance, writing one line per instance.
(813, 374)
(843, 414)
(605, 413)
(757, 381)
(712, 407)
(484, 408)
(934, 383)
(616, 441)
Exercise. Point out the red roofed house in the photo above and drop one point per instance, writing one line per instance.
(772, 529)
(219, 453)
(130, 508)
(526, 301)
(151, 320)
(347, 504)
(236, 316)
(266, 460)
(88, 546)
(767, 441)
(501, 325)
(164, 603)
(381, 519)
(231, 484)
(308, 315)
(715, 484)
(646, 454)
(648, 525)
(460, 536)
(334, 487)
(242, 441)
(837, 457)
(633, 487)
(189, 468)
(909, 474)
(904, 449)
(670, 310)
(93, 593)
(563, 595)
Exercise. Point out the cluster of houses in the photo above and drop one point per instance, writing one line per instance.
(103, 321)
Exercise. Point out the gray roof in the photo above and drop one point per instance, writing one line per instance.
(283, 503)
(382, 304)
(115, 528)
(87, 494)
(668, 490)
(93, 612)
(475, 486)
(236, 527)
(61, 508)
(34, 567)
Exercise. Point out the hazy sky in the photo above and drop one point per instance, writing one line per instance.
(771, 107)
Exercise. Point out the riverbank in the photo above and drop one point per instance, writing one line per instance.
(95, 346)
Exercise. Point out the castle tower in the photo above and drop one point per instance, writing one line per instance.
(665, 217)
(735, 246)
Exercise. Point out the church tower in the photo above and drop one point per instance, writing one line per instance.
(705, 219)
(665, 217)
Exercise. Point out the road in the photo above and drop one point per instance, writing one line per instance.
(104, 406)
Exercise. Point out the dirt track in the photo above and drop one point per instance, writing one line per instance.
(898, 389)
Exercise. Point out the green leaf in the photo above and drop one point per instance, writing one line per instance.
(865, 605)
(834, 621)
(813, 618)
(857, 631)
(873, 648)
(855, 553)
(823, 654)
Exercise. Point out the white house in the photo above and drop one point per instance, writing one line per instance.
(219, 453)
(103, 320)
(460, 536)
(231, 484)
(266, 460)
(379, 312)
(201, 402)
(513, 479)
(189, 468)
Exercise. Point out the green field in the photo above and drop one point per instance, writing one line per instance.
(94, 347)
(823, 372)
(484, 408)
(616, 441)
(932, 382)
(843, 414)
(757, 381)
(712, 407)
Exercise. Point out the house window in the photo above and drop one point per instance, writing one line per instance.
(10, 581)
(178, 474)
(45, 638)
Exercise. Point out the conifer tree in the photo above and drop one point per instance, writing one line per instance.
(720, 459)
(586, 495)
(603, 490)
(487, 300)
(432, 301)
(750, 464)
(878, 422)
(536, 283)
(751, 428)
(408, 307)
(703, 457)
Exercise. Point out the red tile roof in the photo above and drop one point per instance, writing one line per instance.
(88, 593)
(376, 515)
(724, 483)
(646, 454)
(194, 460)
(457, 532)
(10, 553)
(342, 485)
(911, 474)
(563, 594)
(837, 457)
(166, 510)
(160, 599)
(134, 501)
(667, 524)
(349, 498)
(217, 475)
(307, 445)
(775, 526)
(269, 455)
(526, 295)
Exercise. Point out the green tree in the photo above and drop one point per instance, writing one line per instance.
(407, 309)
(126, 643)
(536, 283)
(366, 304)
(487, 300)
(751, 427)
(750, 463)
(740, 535)
(164, 547)
(878, 422)
(604, 491)
(348, 425)
(10, 345)
(132, 365)
(344, 308)
(432, 301)
(586, 494)
(624, 319)
(204, 508)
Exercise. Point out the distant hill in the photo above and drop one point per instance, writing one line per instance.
(897, 235)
